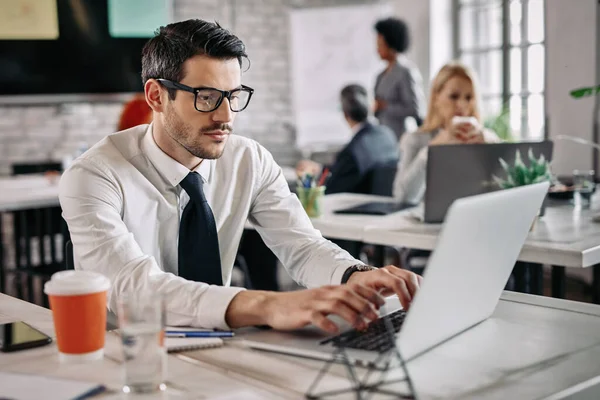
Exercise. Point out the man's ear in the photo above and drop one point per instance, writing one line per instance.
(156, 97)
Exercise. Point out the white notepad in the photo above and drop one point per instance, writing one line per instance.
(174, 345)
(29, 387)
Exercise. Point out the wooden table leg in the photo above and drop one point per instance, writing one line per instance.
(558, 282)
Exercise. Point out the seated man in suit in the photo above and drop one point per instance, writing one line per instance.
(160, 208)
(372, 146)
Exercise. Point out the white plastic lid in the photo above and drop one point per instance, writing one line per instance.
(70, 283)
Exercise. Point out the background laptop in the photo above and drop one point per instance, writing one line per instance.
(455, 171)
(475, 254)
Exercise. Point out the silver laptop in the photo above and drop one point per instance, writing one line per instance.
(477, 248)
(466, 170)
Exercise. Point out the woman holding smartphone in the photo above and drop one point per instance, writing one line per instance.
(452, 118)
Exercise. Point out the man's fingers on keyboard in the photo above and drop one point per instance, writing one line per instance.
(410, 280)
(340, 308)
(373, 296)
(321, 321)
(356, 298)
(399, 286)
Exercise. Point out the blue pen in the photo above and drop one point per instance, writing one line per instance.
(308, 182)
(198, 334)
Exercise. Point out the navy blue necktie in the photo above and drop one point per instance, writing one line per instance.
(198, 252)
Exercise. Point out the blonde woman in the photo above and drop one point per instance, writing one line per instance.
(453, 94)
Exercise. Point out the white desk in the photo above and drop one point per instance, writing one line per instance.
(532, 347)
(561, 237)
(28, 191)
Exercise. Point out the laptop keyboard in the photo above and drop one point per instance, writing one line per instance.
(374, 338)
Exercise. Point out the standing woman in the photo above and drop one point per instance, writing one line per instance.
(399, 88)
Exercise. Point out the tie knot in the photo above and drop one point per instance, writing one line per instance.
(193, 185)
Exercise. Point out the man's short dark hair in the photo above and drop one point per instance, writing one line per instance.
(395, 33)
(163, 55)
(355, 102)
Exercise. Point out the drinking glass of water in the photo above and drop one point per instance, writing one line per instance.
(141, 323)
(583, 187)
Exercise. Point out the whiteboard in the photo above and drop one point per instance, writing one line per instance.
(331, 48)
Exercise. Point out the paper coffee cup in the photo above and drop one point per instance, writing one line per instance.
(78, 303)
(457, 119)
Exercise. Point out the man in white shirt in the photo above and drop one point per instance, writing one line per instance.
(162, 207)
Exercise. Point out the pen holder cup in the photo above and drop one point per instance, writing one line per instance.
(312, 200)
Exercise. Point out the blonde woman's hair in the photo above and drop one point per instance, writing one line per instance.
(434, 120)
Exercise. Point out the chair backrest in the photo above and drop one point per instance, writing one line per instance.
(381, 179)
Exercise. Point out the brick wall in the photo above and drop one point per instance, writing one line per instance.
(39, 133)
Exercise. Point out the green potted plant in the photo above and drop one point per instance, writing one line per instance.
(500, 124)
(520, 174)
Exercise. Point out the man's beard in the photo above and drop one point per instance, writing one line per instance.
(179, 131)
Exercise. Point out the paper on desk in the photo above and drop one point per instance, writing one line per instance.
(29, 387)
(186, 329)
(242, 394)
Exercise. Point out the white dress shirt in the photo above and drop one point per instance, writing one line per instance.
(122, 202)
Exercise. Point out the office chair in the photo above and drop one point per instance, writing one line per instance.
(381, 178)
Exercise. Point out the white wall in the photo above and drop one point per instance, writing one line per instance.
(47, 132)
(416, 15)
(571, 59)
(430, 23)
(440, 35)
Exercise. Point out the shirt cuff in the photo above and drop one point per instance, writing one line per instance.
(213, 306)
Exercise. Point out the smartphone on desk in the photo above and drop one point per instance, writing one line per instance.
(20, 336)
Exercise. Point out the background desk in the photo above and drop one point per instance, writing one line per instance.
(28, 191)
(563, 237)
(532, 347)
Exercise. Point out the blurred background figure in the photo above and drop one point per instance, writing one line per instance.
(372, 146)
(399, 88)
(135, 112)
(453, 94)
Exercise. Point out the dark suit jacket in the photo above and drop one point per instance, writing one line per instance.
(372, 146)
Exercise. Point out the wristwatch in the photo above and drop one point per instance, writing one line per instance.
(355, 268)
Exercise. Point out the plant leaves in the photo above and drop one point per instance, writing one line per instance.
(520, 175)
(518, 159)
(504, 164)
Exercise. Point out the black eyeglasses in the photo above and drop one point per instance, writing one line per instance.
(207, 99)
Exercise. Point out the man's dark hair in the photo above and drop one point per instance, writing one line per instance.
(163, 55)
(395, 33)
(355, 102)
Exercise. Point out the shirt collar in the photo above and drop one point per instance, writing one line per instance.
(172, 171)
(356, 128)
